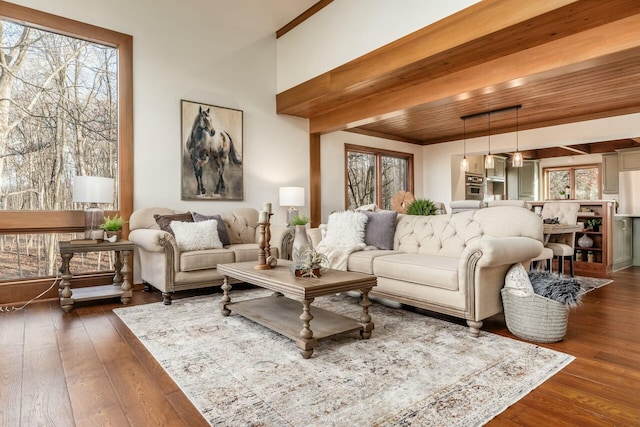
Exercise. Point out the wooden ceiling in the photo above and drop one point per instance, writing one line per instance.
(564, 61)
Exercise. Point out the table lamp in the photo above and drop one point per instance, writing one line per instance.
(93, 190)
(292, 197)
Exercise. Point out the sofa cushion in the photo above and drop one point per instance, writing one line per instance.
(517, 281)
(247, 252)
(430, 270)
(205, 259)
(194, 236)
(345, 229)
(164, 221)
(381, 226)
(223, 234)
(362, 261)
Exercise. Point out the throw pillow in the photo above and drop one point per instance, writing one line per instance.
(517, 281)
(164, 221)
(345, 229)
(557, 287)
(223, 234)
(381, 226)
(194, 236)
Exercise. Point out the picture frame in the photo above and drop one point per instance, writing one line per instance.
(212, 152)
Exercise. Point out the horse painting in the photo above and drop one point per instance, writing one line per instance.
(207, 144)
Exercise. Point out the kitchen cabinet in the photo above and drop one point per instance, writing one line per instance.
(522, 183)
(476, 164)
(628, 160)
(499, 171)
(622, 242)
(610, 173)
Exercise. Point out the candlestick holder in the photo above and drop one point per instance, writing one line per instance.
(262, 255)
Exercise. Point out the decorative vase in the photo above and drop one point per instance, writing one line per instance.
(585, 241)
(300, 244)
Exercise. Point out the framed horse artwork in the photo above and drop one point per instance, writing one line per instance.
(211, 152)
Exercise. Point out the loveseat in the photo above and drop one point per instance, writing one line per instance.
(164, 266)
(453, 264)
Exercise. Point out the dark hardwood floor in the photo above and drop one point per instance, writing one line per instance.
(86, 368)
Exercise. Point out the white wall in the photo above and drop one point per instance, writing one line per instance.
(182, 53)
(333, 165)
(356, 27)
(437, 158)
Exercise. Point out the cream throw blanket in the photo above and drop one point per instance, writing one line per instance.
(338, 255)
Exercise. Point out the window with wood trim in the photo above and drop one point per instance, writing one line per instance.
(374, 175)
(580, 182)
(65, 110)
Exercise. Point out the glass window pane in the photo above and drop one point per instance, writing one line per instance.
(36, 255)
(61, 119)
(558, 182)
(394, 178)
(361, 177)
(587, 184)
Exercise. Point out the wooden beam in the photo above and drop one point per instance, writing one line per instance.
(475, 22)
(385, 136)
(315, 180)
(302, 17)
(584, 50)
(581, 149)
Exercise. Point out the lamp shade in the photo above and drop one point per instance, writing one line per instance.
(291, 196)
(92, 189)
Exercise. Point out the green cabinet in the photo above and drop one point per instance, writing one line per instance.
(622, 242)
(610, 173)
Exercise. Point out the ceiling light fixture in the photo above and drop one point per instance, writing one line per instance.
(488, 159)
(517, 161)
(464, 164)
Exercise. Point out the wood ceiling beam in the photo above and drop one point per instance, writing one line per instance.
(580, 149)
(465, 26)
(609, 42)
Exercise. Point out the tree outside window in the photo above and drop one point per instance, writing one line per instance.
(375, 175)
(60, 116)
(576, 182)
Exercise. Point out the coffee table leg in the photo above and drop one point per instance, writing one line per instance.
(226, 287)
(306, 342)
(365, 318)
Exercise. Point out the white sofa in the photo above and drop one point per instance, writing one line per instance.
(166, 268)
(453, 264)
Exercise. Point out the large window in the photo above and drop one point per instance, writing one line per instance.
(375, 175)
(576, 182)
(65, 110)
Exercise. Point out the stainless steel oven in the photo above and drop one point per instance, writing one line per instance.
(474, 187)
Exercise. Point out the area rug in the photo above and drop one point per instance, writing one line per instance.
(414, 370)
(590, 283)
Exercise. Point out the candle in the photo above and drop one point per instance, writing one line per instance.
(263, 216)
(266, 206)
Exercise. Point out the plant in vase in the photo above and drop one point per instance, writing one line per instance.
(300, 240)
(593, 224)
(113, 227)
(421, 207)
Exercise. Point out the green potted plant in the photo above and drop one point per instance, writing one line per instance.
(421, 207)
(299, 220)
(113, 227)
(593, 224)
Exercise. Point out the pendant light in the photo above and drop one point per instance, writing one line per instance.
(488, 159)
(517, 161)
(464, 164)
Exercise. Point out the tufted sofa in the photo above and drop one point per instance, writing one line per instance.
(166, 268)
(453, 264)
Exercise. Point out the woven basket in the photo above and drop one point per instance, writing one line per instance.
(534, 317)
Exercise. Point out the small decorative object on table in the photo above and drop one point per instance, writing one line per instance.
(300, 240)
(113, 227)
(311, 264)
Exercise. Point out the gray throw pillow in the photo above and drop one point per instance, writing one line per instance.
(164, 221)
(381, 226)
(223, 234)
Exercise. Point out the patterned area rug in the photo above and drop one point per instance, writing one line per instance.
(590, 283)
(414, 370)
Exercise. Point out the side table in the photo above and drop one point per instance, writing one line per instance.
(121, 286)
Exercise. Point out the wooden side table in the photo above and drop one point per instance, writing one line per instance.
(121, 286)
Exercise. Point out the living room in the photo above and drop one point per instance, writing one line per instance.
(227, 55)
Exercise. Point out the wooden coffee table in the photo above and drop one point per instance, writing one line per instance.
(288, 311)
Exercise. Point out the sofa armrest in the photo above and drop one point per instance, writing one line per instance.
(315, 236)
(152, 240)
(280, 236)
(502, 251)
